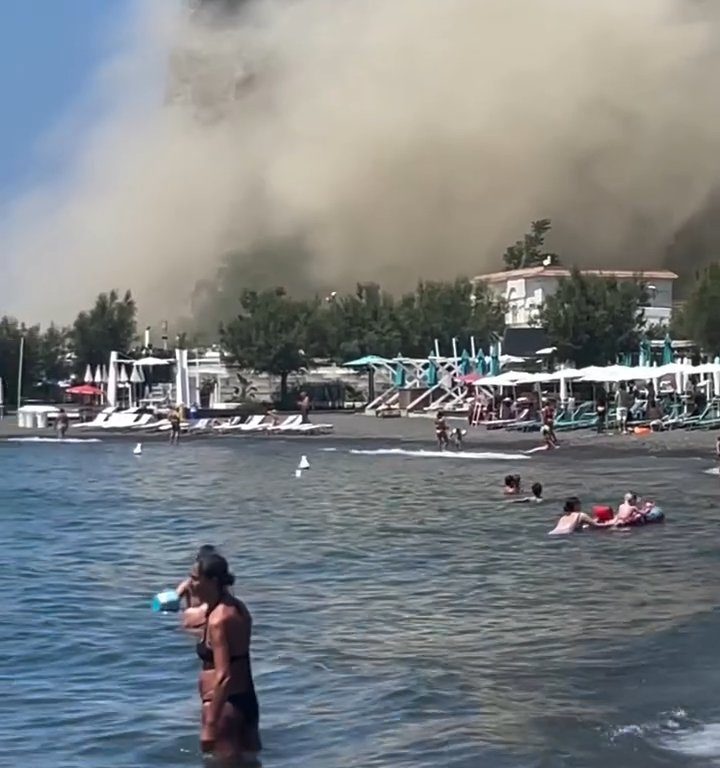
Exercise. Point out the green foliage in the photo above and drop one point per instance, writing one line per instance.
(277, 334)
(529, 252)
(270, 333)
(700, 317)
(110, 324)
(592, 320)
(44, 358)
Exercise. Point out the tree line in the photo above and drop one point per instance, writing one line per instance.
(591, 320)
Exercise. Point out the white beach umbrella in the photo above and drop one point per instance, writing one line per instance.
(150, 361)
(122, 376)
(136, 376)
(98, 375)
(88, 374)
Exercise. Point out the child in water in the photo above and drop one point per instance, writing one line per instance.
(512, 485)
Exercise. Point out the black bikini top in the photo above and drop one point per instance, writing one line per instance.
(205, 652)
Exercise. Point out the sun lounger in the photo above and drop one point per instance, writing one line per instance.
(231, 424)
(99, 419)
(309, 428)
(253, 424)
(287, 424)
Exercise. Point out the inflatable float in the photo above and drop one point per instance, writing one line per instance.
(604, 513)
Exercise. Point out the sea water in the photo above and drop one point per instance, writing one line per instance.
(405, 614)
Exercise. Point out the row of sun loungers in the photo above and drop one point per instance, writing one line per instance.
(135, 421)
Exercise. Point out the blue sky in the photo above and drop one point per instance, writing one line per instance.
(49, 50)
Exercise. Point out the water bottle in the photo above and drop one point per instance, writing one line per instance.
(166, 602)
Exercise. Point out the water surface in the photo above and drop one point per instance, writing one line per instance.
(405, 615)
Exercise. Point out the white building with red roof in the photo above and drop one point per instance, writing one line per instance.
(525, 290)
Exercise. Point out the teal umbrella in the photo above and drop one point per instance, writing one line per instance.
(494, 361)
(399, 377)
(645, 355)
(465, 363)
(667, 350)
(480, 364)
(431, 375)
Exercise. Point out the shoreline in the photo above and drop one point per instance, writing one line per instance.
(418, 433)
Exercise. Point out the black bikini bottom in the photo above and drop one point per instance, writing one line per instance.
(247, 704)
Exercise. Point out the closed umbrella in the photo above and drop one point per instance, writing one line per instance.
(667, 350)
(88, 374)
(399, 377)
(465, 363)
(431, 375)
(98, 375)
(481, 363)
(645, 352)
(494, 360)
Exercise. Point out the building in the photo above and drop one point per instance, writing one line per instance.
(525, 290)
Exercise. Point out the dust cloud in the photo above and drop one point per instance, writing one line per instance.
(397, 139)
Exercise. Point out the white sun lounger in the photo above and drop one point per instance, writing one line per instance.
(309, 429)
(254, 424)
(286, 425)
(99, 419)
(232, 424)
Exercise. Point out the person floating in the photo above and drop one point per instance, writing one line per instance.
(536, 498)
(230, 711)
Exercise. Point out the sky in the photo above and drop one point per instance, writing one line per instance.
(49, 52)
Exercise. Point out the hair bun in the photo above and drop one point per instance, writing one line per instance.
(229, 579)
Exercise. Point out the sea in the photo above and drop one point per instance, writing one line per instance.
(405, 614)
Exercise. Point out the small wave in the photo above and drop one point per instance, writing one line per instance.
(700, 741)
(52, 440)
(713, 471)
(486, 455)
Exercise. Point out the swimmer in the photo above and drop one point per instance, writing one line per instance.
(536, 498)
(441, 431)
(230, 711)
(574, 519)
(512, 485)
(628, 510)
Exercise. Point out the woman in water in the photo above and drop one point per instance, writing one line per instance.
(441, 431)
(574, 519)
(230, 712)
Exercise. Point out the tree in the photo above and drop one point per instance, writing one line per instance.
(53, 354)
(11, 332)
(592, 320)
(528, 252)
(269, 336)
(109, 325)
(700, 317)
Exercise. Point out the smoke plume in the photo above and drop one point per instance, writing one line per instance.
(395, 139)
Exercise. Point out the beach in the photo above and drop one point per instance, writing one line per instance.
(418, 432)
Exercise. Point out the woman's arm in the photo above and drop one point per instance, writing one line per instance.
(221, 651)
(194, 618)
(184, 592)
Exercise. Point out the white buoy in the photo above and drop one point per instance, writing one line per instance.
(138, 449)
(304, 463)
(298, 473)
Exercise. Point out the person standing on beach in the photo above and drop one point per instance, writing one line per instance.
(623, 403)
(548, 423)
(601, 410)
(174, 419)
(717, 448)
(61, 424)
(304, 405)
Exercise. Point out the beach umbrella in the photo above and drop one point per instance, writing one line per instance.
(399, 376)
(122, 375)
(465, 363)
(667, 357)
(136, 376)
(85, 390)
(480, 364)
(88, 374)
(98, 375)
(431, 375)
(105, 375)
